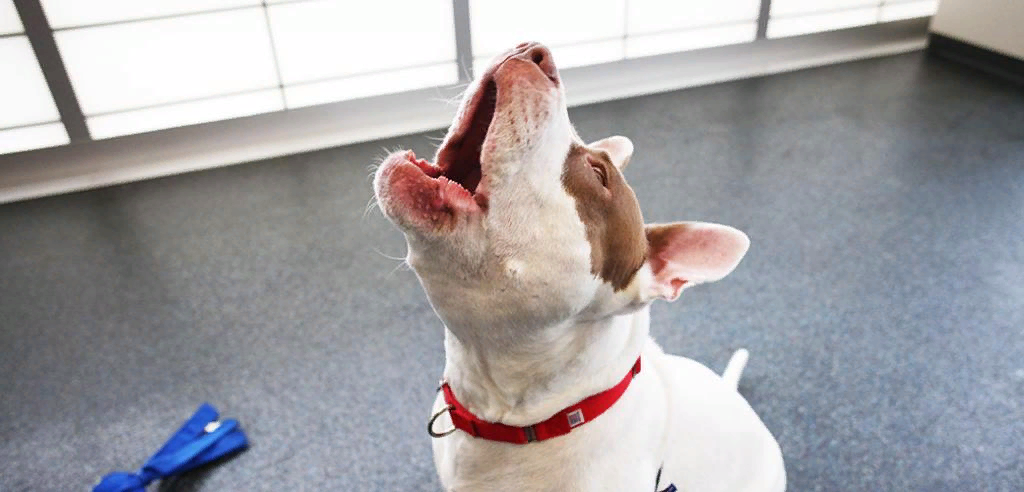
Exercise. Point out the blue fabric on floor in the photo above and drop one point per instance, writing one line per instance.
(201, 440)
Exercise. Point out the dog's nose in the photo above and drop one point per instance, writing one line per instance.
(541, 56)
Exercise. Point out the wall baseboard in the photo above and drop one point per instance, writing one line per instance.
(100, 163)
(977, 57)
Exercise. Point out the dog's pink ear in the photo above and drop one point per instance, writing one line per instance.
(683, 254)
(619, 148)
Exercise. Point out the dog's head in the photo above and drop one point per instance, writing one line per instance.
(518, 223)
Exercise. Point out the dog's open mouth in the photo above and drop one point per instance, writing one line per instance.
(459, 159)
(456, 182)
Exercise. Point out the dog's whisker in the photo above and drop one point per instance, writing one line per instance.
(456, 98)
(441, 99)
(386, 152)
(395, 258)
(403, 262)
(370, 205)
(372, 171)
(398, 267)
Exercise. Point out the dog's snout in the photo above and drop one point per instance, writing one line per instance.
(539, 55)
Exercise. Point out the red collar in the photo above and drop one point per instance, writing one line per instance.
(560, 424)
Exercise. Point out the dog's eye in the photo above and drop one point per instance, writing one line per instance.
(600, 171)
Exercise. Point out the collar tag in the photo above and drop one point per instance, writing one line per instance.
(575, 418)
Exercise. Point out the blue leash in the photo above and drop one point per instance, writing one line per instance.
(200, 440)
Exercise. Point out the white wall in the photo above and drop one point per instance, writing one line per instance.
(994, 24)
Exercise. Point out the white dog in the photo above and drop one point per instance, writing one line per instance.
(533, 251)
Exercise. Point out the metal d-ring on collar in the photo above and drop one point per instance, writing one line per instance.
(430, 424)
(446, 409)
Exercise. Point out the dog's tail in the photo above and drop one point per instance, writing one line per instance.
(734, 369)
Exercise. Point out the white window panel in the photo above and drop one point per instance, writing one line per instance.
(32, 137)
(804, 24)
(655, 16)
(578, 55)
(371, 85)
(316, 40)
(691, 39)
(69, 13)
(575, 55)
(786, 8)
(127, 66)
(188, 113)
(10, 23)
(499, 26)
(24, 96)
(908, 10)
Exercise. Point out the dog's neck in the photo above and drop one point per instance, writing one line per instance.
(524, 380)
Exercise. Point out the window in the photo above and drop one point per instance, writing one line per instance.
(172, 63)
(901, 9)
(194, 61)
(795, 17)
(29, 119)
(579, 32)
(330, 50)
(32, 137)
(76, 13)
(655, 27)
(138, 66)
(9, 21)
(584, 32)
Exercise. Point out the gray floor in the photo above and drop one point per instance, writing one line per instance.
(882, 299)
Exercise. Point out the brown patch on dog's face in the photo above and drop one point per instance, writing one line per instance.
(609, 211)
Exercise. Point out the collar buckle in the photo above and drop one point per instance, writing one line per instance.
(531, 433)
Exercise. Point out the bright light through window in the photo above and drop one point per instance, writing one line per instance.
(373, 84)
(789, 8)
(68, 13)
(596, 25)
(658, 16)
(589, 32)
(690, 39)
(828, 21)
(24, 96)
(892, 11)
(32, 137)
(317, 40)
(795, 17)
(128, 66)
(9, 21)
(571, 55)
(142, 65)
(188, 113)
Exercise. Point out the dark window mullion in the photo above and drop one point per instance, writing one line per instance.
(762, 19)
(463, 40)
(40, 36)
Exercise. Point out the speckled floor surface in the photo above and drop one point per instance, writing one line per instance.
(882, 299)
